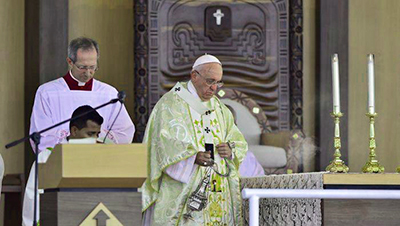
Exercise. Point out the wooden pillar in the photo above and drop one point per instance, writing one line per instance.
(46, 42)
(332, 25)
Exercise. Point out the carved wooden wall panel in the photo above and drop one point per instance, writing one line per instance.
(251, 38)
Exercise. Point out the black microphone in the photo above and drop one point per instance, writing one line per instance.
(121, 96)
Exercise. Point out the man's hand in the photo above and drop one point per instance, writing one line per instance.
(204, 158)
(224, 151)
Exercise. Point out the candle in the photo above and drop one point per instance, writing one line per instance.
(335, 83)
(371, 84)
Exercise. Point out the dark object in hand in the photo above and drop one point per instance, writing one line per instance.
(210, 147)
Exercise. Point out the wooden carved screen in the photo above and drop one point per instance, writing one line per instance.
(251, 38)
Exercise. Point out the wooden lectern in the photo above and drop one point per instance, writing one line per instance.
(92, 184)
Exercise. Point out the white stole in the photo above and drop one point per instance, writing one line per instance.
(183, 170)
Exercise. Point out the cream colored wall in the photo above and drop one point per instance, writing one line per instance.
(111, 24)
(309, 74)
(373, 28)
(12, 83)
(11, 86)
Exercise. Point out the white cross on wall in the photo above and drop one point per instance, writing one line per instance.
(218, 15)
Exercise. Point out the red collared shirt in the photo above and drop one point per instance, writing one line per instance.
(73, 84)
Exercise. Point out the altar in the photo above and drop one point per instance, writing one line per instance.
(329, 211)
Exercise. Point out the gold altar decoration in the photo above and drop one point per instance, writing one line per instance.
(372, 166)
(337, 165)
(398, 169)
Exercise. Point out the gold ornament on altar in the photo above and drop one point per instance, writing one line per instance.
(372, 166)
(337, 165)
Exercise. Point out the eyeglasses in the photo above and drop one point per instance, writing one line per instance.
(211, 82)
(84, 68)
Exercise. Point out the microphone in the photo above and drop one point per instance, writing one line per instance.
(120, 97)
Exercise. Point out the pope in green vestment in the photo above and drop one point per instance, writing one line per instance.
(184, 186)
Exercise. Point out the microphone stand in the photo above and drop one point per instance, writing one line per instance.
(35, 136)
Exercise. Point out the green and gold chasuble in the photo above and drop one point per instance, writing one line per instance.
(174, 133)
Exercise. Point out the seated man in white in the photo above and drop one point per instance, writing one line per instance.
(85, 129)
(88, 126)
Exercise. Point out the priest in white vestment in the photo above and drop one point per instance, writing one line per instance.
(184, 185)
(56, 100)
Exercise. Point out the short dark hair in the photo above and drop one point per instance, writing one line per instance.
(81, 43)
(81, 122)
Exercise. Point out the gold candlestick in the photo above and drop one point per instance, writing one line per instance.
(372, 166)
(337, 165)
